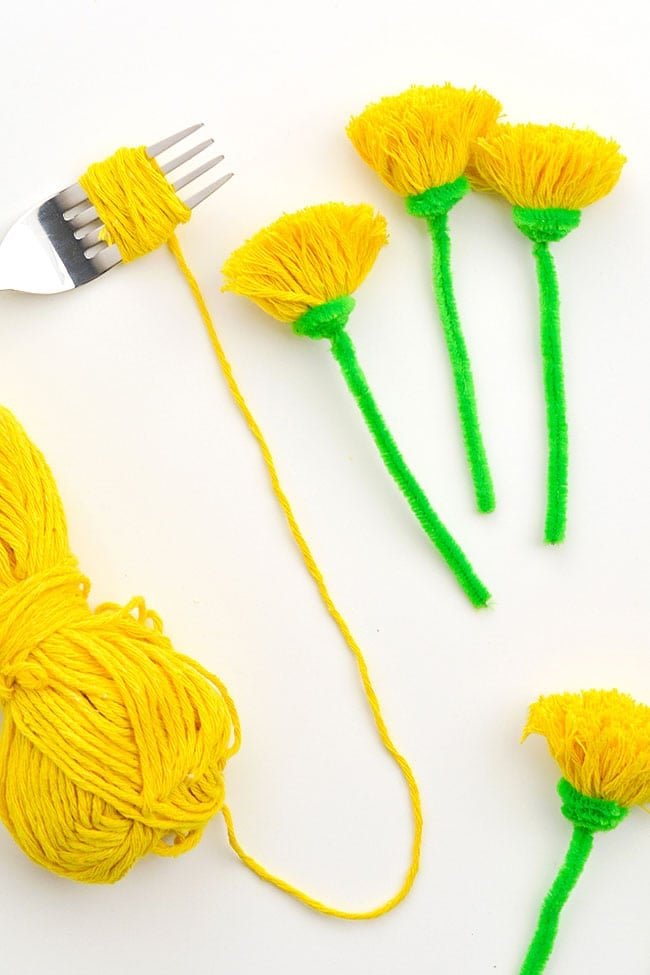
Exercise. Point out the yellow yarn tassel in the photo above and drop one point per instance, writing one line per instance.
(157, 773)
(306, 259)
(422, 138)
(546, 166)
(600, 740)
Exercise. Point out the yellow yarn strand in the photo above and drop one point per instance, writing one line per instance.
(342, 625)
(153, 207)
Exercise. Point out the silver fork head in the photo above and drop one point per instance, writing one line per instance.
(58, 244)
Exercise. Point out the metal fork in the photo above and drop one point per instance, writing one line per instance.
(57, 245)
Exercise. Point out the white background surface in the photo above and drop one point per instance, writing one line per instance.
(166, 496)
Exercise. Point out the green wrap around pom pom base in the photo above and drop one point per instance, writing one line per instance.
(590, 814)
(327, 320)
(437, 200)
(545, 225)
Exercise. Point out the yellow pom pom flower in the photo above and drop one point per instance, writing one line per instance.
(601, 741)
(419, 143)
(548, 173)
(306, 259)
(303, 269)
(422, 138)
(546, 166)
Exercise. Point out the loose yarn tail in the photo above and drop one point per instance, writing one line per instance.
(315, 572)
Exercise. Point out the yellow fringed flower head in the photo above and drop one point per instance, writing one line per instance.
(422, 138)
(546, 166)
(600, 740)
(306, 259)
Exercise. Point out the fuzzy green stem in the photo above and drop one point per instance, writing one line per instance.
(556, 417)
(588, 814)
(460, 364)
(345, 354)
(541, 946)
(543, 225)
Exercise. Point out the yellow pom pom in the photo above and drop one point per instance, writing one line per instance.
(307, 258)
(546, 166)
(422, 138)
(600, 740)
(113, 745)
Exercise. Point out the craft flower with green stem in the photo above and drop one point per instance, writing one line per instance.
(601, 741)
(419, 143)
(302, 270)
(549, 174)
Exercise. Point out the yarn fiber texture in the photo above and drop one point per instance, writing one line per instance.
(113, 744)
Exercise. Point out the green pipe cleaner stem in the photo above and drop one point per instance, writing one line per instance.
(460, 364)
(556, 415)
(541, 946)
(345, 354)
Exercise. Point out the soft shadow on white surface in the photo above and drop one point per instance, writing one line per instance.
(166, 495)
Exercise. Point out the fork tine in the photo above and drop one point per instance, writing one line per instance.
(90, 233)
(92, 250)
(81, 219)
(71, 197)
(194, 151)
(171, 140)
(203, 194)
(105, 259)
(190, 177)
(76, 210)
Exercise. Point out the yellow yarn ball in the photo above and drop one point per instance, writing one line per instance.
(113, 744)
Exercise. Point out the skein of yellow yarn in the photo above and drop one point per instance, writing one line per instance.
(113, 744)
